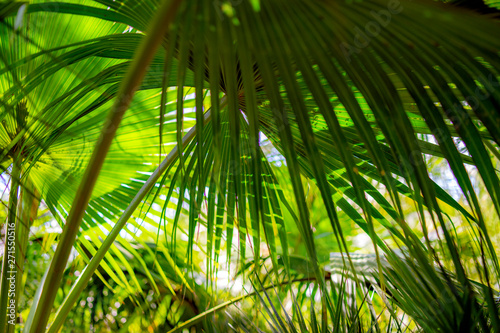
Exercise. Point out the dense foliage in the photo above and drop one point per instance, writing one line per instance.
(250, 165)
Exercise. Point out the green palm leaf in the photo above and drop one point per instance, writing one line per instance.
(353, 97)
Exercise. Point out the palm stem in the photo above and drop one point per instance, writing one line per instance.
(135, 74)
(87, 273)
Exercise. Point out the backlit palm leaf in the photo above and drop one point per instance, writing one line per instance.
(345, 92)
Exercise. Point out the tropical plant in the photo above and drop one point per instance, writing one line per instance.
(179, 143)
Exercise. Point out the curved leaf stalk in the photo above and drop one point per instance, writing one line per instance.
(87, 273)
(9, 263)
(135, 74)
